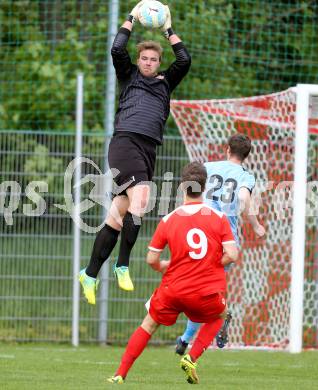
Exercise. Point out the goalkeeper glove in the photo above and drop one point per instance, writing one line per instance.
(133, 16)
(166, 28)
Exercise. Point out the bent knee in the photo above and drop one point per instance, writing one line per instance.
(149, 325)
(138, 199)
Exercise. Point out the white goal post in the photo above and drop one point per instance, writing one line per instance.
(267, 288)
(303, 93)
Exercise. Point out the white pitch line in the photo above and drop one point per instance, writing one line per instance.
(7, 357)
(81, 362)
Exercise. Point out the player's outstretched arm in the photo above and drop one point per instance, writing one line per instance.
(121, 59)
(244, 197)
(178, 70)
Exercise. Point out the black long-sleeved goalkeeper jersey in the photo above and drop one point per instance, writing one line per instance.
(144, 102)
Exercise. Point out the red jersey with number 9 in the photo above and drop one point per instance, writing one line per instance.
(195, 234)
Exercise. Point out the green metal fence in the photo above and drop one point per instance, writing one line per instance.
(36, 251)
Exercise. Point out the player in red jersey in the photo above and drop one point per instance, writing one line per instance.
(201, 243)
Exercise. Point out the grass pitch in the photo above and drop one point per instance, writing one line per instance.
(46, 367)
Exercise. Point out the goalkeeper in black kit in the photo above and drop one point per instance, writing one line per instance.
(144, 106)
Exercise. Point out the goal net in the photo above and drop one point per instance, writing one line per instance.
(259, 285)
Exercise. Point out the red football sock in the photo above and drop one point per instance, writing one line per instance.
(206, 334)
(136, 344)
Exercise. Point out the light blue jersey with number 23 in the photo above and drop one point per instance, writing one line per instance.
(225, 179)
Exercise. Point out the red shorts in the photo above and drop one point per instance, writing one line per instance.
(166, 306)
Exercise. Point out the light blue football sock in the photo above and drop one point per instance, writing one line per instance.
(190, 331)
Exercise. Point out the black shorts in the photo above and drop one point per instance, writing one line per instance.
(134, 156)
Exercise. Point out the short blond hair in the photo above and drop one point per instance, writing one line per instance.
(149, 45)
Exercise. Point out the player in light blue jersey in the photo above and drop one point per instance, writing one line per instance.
(228, 189)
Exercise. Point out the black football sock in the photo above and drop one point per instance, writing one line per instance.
(105, 242)
(129, 235)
